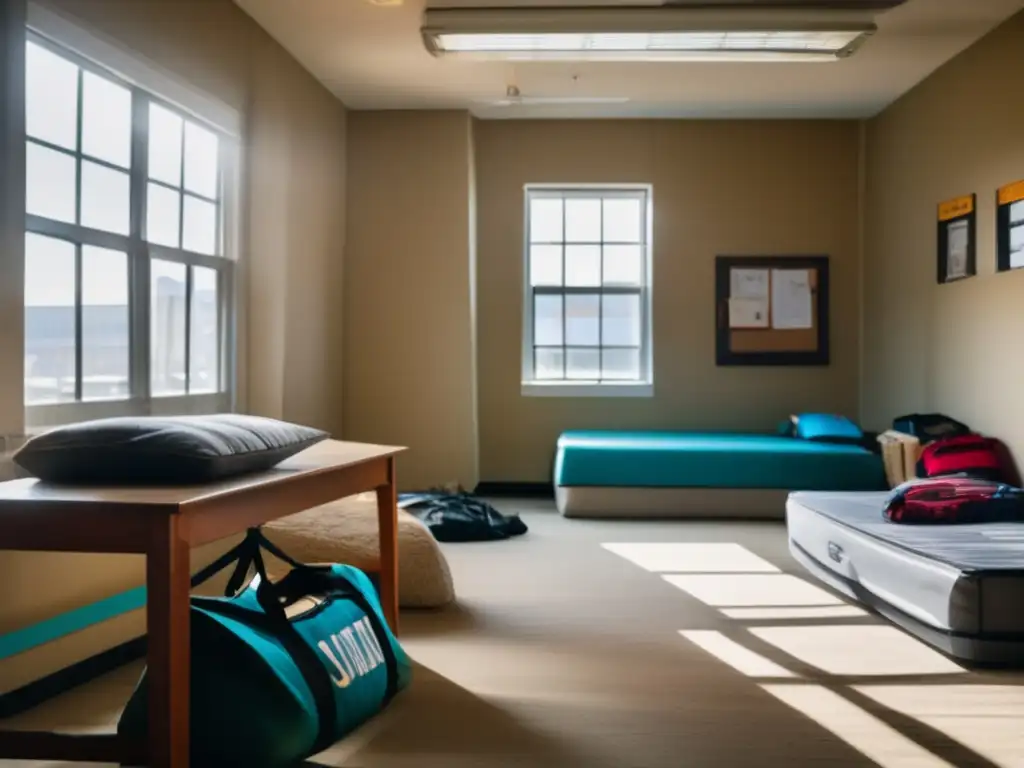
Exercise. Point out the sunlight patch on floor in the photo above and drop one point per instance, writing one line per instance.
(867, 650)
(735, 655)
(984, 718)
(749, 590)
(690, 557)
(796, 612)
(862, 731)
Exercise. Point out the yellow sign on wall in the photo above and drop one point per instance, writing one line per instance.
(955, 208)
(1011, 193)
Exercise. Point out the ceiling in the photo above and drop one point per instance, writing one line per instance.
(372, 57)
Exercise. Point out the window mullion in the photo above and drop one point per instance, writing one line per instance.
(565, 345)
(189, 287)
(138, 273)
(78, 323)
(600, 299)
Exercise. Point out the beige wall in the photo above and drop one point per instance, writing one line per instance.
(409, 361)
(12, 217)
(719, 188)
(952, 348)
(292, 233)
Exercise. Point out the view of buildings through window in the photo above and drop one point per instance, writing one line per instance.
(123, 243)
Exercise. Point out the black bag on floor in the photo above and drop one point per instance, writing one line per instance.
(930, 426)
(460, 517)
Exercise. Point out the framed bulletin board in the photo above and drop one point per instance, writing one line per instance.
(771, 310)
(1010, 227)
(957, 232)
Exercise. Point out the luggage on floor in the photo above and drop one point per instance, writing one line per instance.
(900, 452)
(972, 455)
(930, 426)
(281, 670)
(952, 500)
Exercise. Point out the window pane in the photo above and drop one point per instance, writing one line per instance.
(1017, 246)
(545, 220)
(51, 97)
(620, 364)
(581, 320)
(582, 363)
(106, 201)
(106, 120)
(547, 320)
(167, 327)
(583, 265)
(49, 183)
(583, 221)
(548, 363)
(201, 169)
(621, 221)
(164, 145)
(49, 320)
(620, 321)
(204, 367)
(163, 215)
(545, 265)
(200, 228)
(104, 324)
(623, 264)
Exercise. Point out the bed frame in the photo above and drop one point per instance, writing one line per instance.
(635, 503)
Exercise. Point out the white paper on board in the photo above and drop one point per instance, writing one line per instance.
(748, 313)
(791, 299)
(748, 284)
(956, 249)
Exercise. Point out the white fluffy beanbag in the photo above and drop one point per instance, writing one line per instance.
(346, 532)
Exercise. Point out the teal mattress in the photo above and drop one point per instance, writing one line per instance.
(710, 460)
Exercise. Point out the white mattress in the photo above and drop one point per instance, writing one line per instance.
(959, 587)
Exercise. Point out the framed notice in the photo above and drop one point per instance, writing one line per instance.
(772, 310)
(1010, 227)
(955, 258)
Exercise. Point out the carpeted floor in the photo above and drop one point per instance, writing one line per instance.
(566, 653)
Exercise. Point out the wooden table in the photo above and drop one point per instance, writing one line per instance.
(163, 524)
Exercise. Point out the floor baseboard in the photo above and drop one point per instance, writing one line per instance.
(520, 490)
(39, 691)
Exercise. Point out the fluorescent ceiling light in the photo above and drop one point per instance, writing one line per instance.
(643, 34)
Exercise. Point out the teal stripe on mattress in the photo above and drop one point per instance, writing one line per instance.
(70, 622)
(710, 460)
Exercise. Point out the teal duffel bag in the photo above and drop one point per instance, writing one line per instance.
(281, 670)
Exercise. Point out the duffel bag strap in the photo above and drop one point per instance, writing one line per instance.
(243, 555)
(306, 580)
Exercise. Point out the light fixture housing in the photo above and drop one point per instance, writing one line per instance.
(646, 33)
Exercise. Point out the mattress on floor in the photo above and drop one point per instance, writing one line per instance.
(960, 587)
(712, 460)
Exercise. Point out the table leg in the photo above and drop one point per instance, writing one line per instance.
(167, 629)
(387, 517)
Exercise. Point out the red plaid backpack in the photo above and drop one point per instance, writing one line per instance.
(972, 455)
(951, 500)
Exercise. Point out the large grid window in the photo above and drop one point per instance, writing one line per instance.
(126, 281)
(588, 293)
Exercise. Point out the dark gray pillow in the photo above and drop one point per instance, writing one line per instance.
(153, 450)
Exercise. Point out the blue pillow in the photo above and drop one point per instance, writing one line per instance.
(827, 427)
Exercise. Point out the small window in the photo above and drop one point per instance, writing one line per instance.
(588, 299)
(126, 275)
(1017, 235)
